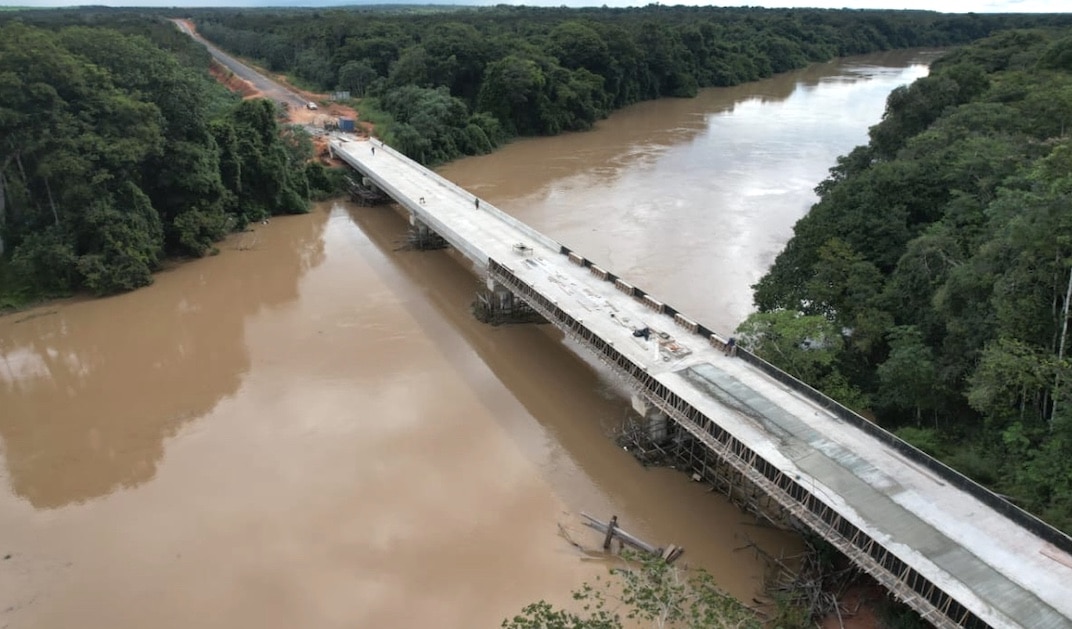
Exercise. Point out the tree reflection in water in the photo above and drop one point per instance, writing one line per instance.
(90, 389)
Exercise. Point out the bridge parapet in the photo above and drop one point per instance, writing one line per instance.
(988, 497)
(866, 496)
(940, 603)
(938, 606)
(653, 303)
(529, 232)
(686, 323)
(1023, 518)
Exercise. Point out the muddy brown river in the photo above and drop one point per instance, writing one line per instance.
(309, 429)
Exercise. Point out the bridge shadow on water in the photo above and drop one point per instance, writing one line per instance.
(575, 402)
(529, 359)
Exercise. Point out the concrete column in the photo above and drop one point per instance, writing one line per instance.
(655, 419)
(419, 227)
(502, 297)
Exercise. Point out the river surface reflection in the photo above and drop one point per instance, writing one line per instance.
(310, 429)
(691, 199)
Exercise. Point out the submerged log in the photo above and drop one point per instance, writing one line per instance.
(612, 531)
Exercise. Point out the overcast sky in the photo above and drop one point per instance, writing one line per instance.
(951, 6)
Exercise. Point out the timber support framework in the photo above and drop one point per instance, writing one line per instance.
(907, 585)
(956, 552)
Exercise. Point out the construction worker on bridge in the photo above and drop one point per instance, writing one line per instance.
(731, 347)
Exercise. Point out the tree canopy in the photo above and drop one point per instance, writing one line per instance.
(116, 149)
(642, 592)
(459, 80)
(941, 255)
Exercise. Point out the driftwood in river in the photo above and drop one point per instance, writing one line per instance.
(612, 531)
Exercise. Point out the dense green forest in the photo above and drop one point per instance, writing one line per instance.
(117, 149)
(931, 283)
(929, 286)
(462, 81)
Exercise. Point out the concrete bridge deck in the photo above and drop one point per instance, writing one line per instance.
(956, 553)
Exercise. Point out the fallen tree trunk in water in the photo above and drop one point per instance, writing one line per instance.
(612, 530)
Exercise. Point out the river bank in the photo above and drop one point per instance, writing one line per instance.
(310, 428)
(226, 396)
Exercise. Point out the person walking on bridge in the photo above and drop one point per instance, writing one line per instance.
(476, 203)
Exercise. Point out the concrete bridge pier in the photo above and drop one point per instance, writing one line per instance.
(828, 469)
(501, 297)
(497, 304)
(423, 237)
(654, 418)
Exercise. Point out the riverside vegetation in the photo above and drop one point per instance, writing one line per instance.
(117, 149)
(930, 285)
(458, 81)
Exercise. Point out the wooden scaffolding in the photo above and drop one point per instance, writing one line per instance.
(725, 461)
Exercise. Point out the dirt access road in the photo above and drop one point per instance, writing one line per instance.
(265, 86)
(252, 84)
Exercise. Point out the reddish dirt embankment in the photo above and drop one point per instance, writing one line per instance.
(325, 116)
(233, 82)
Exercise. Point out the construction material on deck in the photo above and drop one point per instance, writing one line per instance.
(612, 531)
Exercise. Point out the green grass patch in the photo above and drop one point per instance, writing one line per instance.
(296, 81)
(368, 110)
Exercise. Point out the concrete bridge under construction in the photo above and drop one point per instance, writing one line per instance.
(957, 553)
